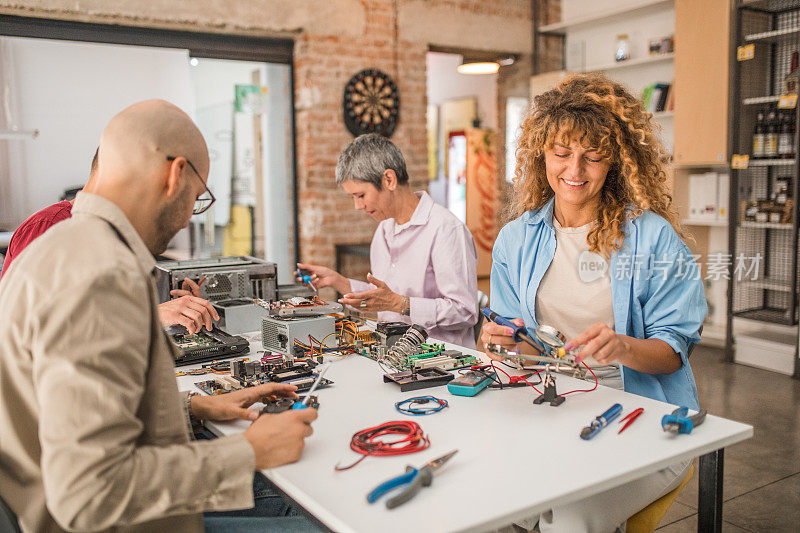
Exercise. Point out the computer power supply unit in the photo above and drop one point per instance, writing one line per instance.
(279, 333)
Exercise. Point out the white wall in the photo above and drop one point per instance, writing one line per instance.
(69, 91)
(445, 83)
(214, 82)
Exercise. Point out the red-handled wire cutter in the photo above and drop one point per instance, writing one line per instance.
(629, 418)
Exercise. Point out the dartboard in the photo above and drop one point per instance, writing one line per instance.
(371, 103)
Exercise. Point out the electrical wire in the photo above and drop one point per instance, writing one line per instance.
(367, 441)
(413, 410)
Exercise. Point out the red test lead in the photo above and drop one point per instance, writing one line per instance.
(629, 418)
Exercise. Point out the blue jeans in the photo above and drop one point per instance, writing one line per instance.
(271, 512)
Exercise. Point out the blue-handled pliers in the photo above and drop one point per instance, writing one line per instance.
(415, 478)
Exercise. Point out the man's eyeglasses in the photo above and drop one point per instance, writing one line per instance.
(206, 199)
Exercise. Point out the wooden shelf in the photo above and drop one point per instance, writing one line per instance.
(764, 225)
(771, 162)
(630, 63)
(773, 35)
(628, 9)
(761, 100)
(701, 222)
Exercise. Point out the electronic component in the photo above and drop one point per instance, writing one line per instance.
(414, 380)
(470, 383)
(284, 404)
(407, 345)
(300, 306)
(422, 356)
(390, 332)
(240, 315)
(226, 278)
(279, 334)
(206, 345)
(245, 373)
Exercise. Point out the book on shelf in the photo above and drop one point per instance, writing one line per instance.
(655, 97)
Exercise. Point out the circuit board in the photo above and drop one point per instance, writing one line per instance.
(207, 345)
(427, 355)
(244, 373)
(226, 384)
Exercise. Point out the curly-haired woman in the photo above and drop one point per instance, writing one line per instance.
(596, 251)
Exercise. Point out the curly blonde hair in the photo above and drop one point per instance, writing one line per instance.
(600, 114)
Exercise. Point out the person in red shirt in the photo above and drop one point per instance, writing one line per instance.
(186, 307)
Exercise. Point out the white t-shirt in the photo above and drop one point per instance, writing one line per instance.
(575, 292)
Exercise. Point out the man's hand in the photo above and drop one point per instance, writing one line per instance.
(324, 277)
(188, 288)
(235, 404)
(279, 439)
(602, 343)
(492, 333)
(189, 311)
(380, 299)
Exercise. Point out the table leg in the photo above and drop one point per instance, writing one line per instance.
(709, 498)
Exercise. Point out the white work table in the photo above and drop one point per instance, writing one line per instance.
(514, 459)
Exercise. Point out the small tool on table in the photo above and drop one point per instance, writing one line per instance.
(415, 478)
(679, 421)
(601, 421)
(628, 419)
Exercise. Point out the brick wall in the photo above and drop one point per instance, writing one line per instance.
(323, 65)
(334, 39)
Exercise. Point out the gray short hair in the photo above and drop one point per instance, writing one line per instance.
(367, 158)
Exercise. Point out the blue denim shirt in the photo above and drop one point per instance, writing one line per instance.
(655, 287)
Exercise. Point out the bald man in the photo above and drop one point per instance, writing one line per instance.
(185, 308)
(94, 434)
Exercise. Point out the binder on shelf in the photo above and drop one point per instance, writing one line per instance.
(703, 196)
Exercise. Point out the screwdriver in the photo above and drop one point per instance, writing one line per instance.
(520, 333)
(305, 278)
(304, 403)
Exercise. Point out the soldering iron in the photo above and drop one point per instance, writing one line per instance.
(520, 332)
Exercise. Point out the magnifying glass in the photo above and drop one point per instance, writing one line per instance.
(550, 336)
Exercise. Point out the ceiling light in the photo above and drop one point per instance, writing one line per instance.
(194, 62)
(478, 67)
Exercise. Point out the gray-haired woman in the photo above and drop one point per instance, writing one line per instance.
(422, 257)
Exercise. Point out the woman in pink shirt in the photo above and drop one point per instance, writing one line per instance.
(422, 257)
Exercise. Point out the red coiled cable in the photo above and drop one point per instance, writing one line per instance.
(367, 441)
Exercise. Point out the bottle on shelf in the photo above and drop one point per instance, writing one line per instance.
(786, 134)
(623, 50)
(790, 82)
(759, 136)
(771, 136)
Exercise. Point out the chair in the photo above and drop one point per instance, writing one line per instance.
(647, 520)
(483, 301)
(8, 520)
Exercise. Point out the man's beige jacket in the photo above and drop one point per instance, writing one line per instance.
(93, 429)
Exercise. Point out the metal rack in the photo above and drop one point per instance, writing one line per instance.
(770, 29)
